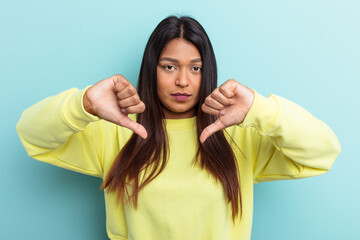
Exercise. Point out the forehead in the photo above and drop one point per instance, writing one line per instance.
(180, 49)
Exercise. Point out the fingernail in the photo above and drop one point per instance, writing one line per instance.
(222, 113)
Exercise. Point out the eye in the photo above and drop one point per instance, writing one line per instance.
(168, 67)
(197, 69)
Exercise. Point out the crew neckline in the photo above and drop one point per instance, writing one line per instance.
(184, 123)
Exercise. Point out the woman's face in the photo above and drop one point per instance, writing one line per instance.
(179, 79)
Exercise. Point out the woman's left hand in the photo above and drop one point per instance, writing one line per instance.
(230, 102)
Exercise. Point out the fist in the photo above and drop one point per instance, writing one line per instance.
(112, 99)
(230, 103)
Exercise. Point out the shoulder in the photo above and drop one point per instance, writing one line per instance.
(111, 133)
(241, 134)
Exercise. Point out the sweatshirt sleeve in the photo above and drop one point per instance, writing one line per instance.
(59, 131)
(288, 142)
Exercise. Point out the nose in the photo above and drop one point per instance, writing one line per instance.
(182, 79)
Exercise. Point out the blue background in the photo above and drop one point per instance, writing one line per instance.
(307, 51)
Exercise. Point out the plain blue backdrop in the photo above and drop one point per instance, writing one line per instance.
(307, 51)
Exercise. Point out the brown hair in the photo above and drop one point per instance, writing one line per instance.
(215, 154)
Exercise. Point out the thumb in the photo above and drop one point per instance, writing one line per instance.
(211, 129)
(134, 126)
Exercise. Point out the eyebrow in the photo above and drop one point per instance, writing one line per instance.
(177, 61)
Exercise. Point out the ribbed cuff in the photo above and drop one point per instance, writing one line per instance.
(74, 113)
(262, 113)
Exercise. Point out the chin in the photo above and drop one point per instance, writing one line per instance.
(179, 113)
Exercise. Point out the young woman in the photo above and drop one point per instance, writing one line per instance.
(179, 155)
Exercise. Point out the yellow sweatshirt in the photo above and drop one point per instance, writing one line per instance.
(280, 140)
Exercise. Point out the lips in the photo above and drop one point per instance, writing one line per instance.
(180, 96)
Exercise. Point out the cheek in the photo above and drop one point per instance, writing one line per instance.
(160, 87)
(162, 81)
(198, 86)
(159, 83)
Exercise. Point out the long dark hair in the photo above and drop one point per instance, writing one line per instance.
(215, 154)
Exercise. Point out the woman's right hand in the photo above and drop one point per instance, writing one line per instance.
(112, 99)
